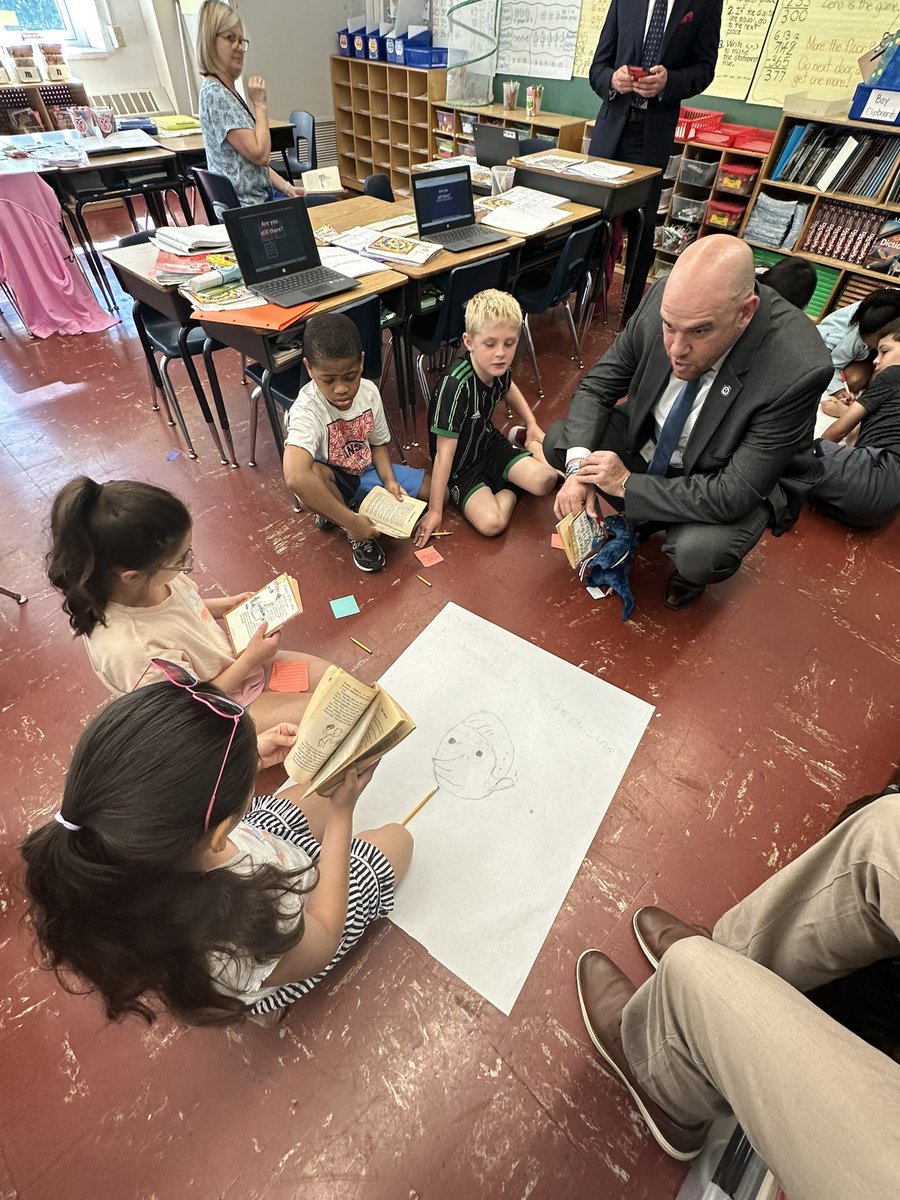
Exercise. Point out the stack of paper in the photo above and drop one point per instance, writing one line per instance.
(526, 222)
(551, 162)
(364, 239)
(188, 239)
(604, 172)
(347, 262)
(226, 295)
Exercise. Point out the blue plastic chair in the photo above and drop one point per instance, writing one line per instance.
(445, 326)
(378, 186)
(537, 291)
(304, 124)
(215, 190)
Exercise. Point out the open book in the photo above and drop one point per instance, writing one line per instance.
(346, 724)
(397, 518)
(325, 179)
(580, 535)
(276, 603)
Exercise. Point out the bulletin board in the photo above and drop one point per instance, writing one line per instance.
(771, 48)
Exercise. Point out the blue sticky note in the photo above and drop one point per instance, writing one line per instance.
(344, 606)
(172, 455)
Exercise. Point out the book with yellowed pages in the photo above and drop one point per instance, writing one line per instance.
(581, 535)
(323, 179)
(396, 518)
(346, 724)
(275, 604)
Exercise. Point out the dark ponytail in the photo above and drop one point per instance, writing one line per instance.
(118, 903)
(99, 529)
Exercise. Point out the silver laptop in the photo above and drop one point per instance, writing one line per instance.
(277, 253)
(445, 212)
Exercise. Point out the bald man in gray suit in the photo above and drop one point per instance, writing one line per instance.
(714, 442)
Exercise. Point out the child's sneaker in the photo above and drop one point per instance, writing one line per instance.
(368, 555)
(517, 435)
(321, 522)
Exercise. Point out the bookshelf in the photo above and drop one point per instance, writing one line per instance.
(384, 116)
(40, 99)
(706, 189)
(848, 192)
(453, 130)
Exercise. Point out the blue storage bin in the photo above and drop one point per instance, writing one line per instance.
(863, 94)
(375, 47)
(394, 50)
(359, 44)
(428, 56)
(344, 42)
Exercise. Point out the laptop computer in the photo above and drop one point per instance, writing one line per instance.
(277, 253)
(445, 212)
(495, 146)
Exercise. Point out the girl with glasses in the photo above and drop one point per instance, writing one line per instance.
(235, 130)
(161, 884)
(121, 556)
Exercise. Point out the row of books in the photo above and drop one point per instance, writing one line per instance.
(833, 160)
(843, 231)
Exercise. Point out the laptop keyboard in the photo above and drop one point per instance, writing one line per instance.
(466, 233)
(302, 279)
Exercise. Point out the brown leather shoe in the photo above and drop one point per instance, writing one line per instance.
(681, 592)
(603, 992)
(656, 930)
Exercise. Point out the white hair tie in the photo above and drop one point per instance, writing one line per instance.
(57, 816)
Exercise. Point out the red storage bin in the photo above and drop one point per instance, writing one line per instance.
(692, 120)
(725, 215)
(736, 178)
(760, 142)
(713, 138)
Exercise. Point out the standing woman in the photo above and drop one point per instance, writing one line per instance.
(236, 131)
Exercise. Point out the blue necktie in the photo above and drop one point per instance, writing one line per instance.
(652, 44)
(673, 427)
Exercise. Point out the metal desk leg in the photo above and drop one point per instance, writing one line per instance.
(198, 389)
(272, 412)
(92, 258)
(634, 226)
(217, 397)
(400, 376)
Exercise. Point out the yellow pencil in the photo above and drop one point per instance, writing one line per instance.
(421, 804)
(361, 646)
(422, 579)
(443, 533)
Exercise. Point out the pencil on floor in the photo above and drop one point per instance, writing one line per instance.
(422, 579)
(421, 804)
(361, 646)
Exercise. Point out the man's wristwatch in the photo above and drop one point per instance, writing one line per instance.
(625, 481)
(573, 466)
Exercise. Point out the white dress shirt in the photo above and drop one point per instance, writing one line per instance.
(650, 14)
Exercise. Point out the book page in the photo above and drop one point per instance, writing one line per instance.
(383, 726)
(396, 518)
(580, 534)
(276, 603)
(333, 710)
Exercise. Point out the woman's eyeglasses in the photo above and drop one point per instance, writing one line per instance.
(234, 39)
(185, 563)
(224, 706)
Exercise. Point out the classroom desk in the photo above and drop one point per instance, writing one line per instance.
(623, 197)
(190, 149)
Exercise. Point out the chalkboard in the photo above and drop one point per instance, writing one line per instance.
(771, 48)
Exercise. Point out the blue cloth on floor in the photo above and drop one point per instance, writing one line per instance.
(610, 567)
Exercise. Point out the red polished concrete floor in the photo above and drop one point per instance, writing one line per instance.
(776, 703)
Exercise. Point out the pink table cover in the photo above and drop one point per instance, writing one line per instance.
(36, 262)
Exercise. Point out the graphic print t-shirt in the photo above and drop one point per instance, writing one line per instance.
(340, 439)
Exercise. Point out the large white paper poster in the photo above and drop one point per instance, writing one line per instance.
(537, 38)
(527, 752)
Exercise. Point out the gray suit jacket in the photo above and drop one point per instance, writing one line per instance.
(753, 439)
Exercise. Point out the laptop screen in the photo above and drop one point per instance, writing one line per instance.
(443, 199)
(272, 240)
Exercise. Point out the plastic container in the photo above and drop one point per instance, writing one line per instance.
(697, 173)
(725, 215)
(688, 209)
(714, 138)
(444, 147)
(692, 120)
(665, 199)
(736, 178)
(467, 123)
(444, 118)
(759, 144)
(672, 166)
(344, 46)
(427, 56)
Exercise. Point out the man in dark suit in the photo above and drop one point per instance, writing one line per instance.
(676, 42)
(715, 440)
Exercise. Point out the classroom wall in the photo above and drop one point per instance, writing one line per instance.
(136, 65)
(290, 47)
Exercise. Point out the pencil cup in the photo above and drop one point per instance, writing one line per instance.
(510, 93)
(534, 94)
(502, 179)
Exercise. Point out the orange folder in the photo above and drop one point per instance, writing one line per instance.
(263, 316)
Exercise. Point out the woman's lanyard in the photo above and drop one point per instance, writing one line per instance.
(240, 99)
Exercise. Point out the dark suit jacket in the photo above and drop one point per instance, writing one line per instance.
(689, 51)
(753, 439)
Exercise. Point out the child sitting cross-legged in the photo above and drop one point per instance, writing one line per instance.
(485, 471)
(160, 883)
(336, 448)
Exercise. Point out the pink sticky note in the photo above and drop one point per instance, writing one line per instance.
(289, 676)
(429, 557)
(556, 542)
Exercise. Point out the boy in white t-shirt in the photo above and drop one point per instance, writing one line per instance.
(336, 446)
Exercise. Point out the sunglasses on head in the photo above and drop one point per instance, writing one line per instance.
(224, 706)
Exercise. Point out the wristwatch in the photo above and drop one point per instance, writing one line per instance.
(625, 481)
(573, 466)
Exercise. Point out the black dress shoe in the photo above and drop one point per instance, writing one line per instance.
(680, 592)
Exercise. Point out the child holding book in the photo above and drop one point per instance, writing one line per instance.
(161, 884)
(121, 556)
(860, 484)
(485, 471)
(336, 448)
